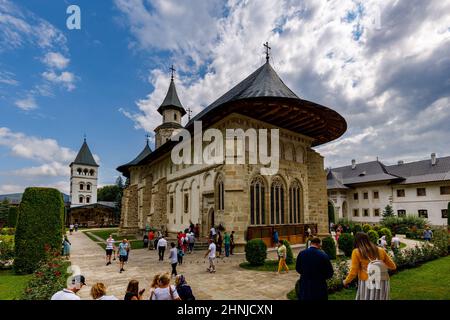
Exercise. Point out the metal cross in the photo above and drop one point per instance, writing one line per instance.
(84, 136)
(267, 50)
(173, 70)
(189, 112)
(147, 136)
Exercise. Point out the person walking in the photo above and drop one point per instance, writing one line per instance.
(382, 243)
(232, 245)
(133, 292)
(66, 247)
(211, 254)
(212, 233)
(275, 237)
(162, 245)
(395, 243)
(151, 240)
(71, 228)
(197, 231)
(183, 289)
(145, 240)
(128, 250)
(76, 227)
(165, 291)
(173, 258)
(219, 244)
(427, 234)
(191, 240)
(98, 292)
(227, 242)
(315, 268)
(367, 258)
(282, 252)
(180, 255)
(70, 293)
(123, 254)
(109, 249)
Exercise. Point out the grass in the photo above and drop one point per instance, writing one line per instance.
(104, 234)
(12, 285)
(269, 265)
(430, 281)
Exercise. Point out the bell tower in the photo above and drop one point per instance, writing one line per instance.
(172, 111)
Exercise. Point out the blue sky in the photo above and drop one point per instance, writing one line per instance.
(384, 66)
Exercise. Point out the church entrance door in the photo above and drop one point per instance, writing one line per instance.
(211, 218)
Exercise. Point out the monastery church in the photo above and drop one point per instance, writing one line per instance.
(236, 196)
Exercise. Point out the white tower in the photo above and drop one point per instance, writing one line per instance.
(83, 178)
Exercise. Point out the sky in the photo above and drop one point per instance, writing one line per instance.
(383, 65)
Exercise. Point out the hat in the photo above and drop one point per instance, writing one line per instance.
(78, 279)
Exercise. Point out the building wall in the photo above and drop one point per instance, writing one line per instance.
(76, 179)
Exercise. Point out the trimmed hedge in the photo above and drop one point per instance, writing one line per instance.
(386, 232)
(39, 227)
(346, 242)
(256, 252)
(12, 217)
(329, 247)
(373, 236)
(357, 228)
(289, 254)
(367, 228)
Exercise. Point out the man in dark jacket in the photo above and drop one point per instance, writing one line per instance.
(315, 268)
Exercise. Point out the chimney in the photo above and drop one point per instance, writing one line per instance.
(353, 164)
(433, 159)
(400, 162)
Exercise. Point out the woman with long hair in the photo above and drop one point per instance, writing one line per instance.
(370, 264)
(165, 290)
(154, 285)
(133, 292)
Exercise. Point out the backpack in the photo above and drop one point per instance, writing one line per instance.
(377, 271)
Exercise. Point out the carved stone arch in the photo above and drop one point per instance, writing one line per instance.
(206, 176)
(296, 210)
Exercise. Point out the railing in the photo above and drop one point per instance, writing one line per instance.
(294, 233)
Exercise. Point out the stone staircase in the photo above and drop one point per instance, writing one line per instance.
(200, 244)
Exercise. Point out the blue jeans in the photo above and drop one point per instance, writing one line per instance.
(227, 249)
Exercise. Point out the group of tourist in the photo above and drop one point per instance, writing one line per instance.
(160, 289)
(227, 241)
(123, 250)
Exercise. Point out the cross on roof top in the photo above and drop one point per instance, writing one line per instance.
(189, 112)
(147, 136)
(266, 45)
(84, 137)
(173, 70)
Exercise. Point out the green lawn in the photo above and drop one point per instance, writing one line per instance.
(269, 265)
(12, 285)
(104, 234)
(431, 281)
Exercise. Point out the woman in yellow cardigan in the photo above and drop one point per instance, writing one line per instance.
(377, 287)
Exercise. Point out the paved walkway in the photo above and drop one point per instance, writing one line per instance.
(229, 282)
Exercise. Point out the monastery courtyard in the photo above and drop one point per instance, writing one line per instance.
(230, 282)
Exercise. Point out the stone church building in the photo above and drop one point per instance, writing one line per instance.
(237, 196)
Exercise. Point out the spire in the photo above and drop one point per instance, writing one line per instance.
(266, 45)
(171, 101)
(85, 156)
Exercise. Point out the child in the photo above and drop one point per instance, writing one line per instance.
(180, 255)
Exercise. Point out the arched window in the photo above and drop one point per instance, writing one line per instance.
(220, 194)
(277, 202)
(257, 202)
(91, 172)
(88, 199)
(174, 116)
(79, 171)
(81, 186)
(295, 202)
(81, 198)
(88, 187)
(85, 172)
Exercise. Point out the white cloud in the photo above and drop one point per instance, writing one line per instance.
(391, 81)
(8, 78)
(26, 104)
(11, 188)
(53, 169)
(56, 60)
(65, 79)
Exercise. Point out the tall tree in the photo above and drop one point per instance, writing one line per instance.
(388, 211)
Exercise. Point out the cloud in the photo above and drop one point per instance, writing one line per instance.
(65, 79)
(26, 104)
(385, 66)
(8, 78)
(56, 60)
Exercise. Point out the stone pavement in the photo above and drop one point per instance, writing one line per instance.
(229, 282)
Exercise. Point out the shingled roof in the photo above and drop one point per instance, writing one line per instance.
(141, 156)
(84, 156)
(171, 101)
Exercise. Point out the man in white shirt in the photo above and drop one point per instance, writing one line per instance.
(70, 292)
(109, 249)
(213, 233)
(162, 244)
(395, 242)
(211, 254)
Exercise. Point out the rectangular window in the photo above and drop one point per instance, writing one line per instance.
(356, 212)
(445, 190)
(400, 193)
(376, 212)
(355, 196)
(423, 213)
(421, 192)
(444, 213)
(186, 203)
(401, 213)
(366, 212)
(365, 195)
(376, 195)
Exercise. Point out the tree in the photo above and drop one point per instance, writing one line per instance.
(388, 212)
(109, 193)
(12, 217)
(448, 215)
(39, 227)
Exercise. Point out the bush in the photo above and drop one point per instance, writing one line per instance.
(373, 236)
(340, 272)
(256, 252)
(441, 240)
(386, 232)
(6, 250)
(50, 277)
(413, 257)
(376, 228)
(12, 217)
(367, 228)
(329, 247)
(345, 243)
(396, 224)
(357, 228)
(289, 254)
(40, 225)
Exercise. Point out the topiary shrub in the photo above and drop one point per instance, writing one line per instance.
(345, 242)
(386, 232)
(256, 252)
(366, 228)
(39, 227)
(373, 236)
(357, 228)
(289, 254)
(329, 247)
(12, 217)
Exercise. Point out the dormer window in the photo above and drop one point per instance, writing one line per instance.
(362, 174)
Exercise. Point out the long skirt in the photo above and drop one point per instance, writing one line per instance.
(364, 293)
